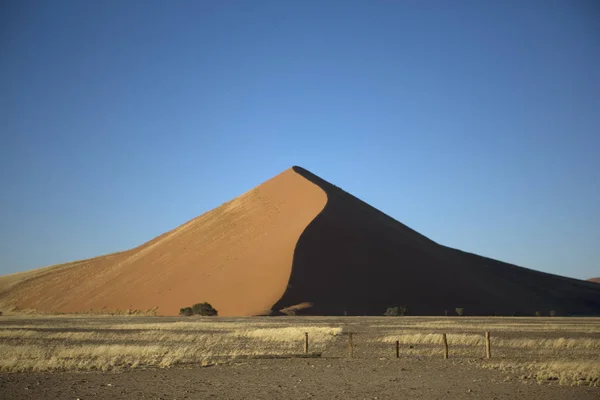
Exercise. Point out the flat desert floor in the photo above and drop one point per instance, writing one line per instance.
(264, 358)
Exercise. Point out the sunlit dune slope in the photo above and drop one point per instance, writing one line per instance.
(237, 256)
(298, 244)
(597, 280)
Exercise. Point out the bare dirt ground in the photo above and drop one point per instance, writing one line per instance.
(335, 378)
(194, 358)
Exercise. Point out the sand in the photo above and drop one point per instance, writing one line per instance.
(297, 243)
(238, 257)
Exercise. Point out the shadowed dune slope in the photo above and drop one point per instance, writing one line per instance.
(354, 259)
(297, 243)
(237, 256)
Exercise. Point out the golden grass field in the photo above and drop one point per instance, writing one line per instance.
(565, 350)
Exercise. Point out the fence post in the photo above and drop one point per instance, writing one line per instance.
(445, 346)
(488, 345)
(305, 342)
(397, 349)
(350, 345)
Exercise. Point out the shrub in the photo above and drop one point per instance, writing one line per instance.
(460, 311)
(538, 314)
(395, 311)
(392, 312)
(552, 313)
(204, 309)
(187, 311)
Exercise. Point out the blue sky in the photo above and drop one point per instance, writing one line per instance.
(476, 123)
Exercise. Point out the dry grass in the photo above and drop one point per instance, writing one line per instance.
(433, 338)
(558, 350)
(468, 339)
(91, 357)
(565, 372)
(288, 334)
(539, 325)
(543, 349)
(75, 344)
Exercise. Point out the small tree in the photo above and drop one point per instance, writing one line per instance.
(538, 314)
(395, 311)
(552, 313)
(204, 309)
(460, 311)
(186, 311)
(392, 312)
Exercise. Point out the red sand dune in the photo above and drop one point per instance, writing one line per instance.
(597, 280)
(296, 242)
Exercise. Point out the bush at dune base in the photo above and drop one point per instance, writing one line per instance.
(204, 309)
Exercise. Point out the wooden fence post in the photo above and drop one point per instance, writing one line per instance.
(445, 346)
(305, 342)
(488, 345)
(397, 349)
(350, 345)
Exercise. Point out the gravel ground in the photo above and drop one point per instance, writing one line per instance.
(320, 378)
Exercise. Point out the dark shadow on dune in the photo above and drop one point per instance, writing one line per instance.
(353, 259)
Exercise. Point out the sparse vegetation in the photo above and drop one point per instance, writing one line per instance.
(460, 311)
(117, 346)
(538, 314)
(552, 313)
(392, 312)
(395, 311)
(186, 311)
(558, 349)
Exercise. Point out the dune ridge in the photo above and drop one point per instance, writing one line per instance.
(297, 244)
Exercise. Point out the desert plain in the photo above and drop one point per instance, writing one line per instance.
(137, 357)
(300, 272)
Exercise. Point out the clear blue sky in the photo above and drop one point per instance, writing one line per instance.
(476, 123)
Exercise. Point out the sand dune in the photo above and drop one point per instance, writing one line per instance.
(354, 259)
(296, 243)
(597, 280)
(237, 256)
